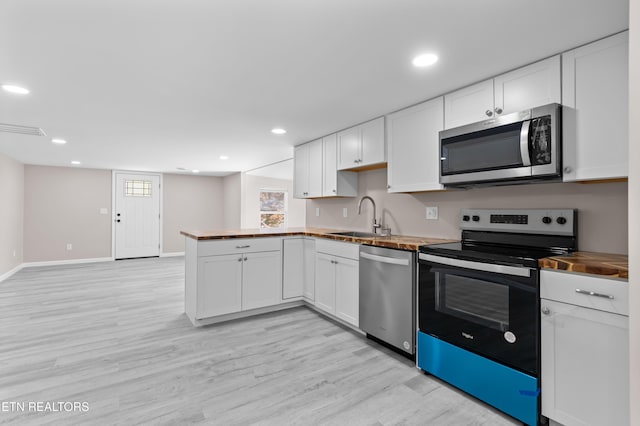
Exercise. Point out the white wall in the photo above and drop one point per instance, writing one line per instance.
(61, 206)
(190, 203)
(232, 189)
(602, 209)
(634, 210)
(11, 214)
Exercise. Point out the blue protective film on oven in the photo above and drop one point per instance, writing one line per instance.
(507, 389)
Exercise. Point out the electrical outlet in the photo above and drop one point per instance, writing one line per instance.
(317, 211)
(14, 252)
(345, 212)
(103, 210)
(432, 213)
(69, 246)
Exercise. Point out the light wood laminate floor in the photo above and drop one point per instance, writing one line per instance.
(114, 335)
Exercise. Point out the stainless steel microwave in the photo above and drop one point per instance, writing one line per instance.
(515, 148)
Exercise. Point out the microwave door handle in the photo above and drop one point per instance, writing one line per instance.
(524, 143)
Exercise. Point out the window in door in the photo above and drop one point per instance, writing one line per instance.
(273, 208)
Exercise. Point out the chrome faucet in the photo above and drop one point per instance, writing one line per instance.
(376, 225)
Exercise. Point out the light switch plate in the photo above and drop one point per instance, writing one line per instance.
(432, 213)
(345, 212)
(317, 211)
(103, 210)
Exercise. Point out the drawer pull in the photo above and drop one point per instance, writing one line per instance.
(591, 293)
(239, 247)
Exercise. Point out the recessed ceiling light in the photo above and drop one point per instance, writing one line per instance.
(75, 162)
(278, 131)
(425, 60)
(59, 141)
(15, 89)
(195, 171)
(224, 157)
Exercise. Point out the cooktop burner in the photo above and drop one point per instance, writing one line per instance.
(512, 237)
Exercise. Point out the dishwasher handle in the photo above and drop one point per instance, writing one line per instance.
(384, 259)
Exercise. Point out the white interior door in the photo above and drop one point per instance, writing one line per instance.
(137, 215)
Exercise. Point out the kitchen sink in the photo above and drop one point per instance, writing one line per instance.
(356, 234)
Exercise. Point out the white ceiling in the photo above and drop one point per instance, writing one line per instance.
(158, 84)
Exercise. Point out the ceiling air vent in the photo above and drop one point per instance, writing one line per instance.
(24, 130)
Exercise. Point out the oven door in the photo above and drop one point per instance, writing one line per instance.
(491, 310)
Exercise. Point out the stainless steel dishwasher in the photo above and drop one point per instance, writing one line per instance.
(387, 296)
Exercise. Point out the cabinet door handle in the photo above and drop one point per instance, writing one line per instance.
(568, 169)
(247, 246)
(239, 259)
(591, 293)
(489, 113)
(245, 259)
(546, 310)
(498, 110)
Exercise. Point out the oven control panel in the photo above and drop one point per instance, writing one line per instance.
(532, 221)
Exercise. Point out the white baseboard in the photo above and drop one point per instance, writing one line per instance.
(174, 254)
(11, 272)
(67, 262)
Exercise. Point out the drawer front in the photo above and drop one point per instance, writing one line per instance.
(238, 245)
(338, 248)
(609, 295)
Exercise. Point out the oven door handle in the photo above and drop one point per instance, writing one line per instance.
(519, 271)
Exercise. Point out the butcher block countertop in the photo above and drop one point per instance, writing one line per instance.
(604, 264)
(393, 241)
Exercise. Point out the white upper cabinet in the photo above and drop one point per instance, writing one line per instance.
(531, 86)
(595, 93)
(413, 147)
(468, 105)
(362, 145)
(307, 170)
(336, 183)
(528, 87)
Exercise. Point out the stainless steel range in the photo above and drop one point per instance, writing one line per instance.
(478, 304)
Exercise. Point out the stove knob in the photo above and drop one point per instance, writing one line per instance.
(547, 220)
(466, 218)
(476, 218)
(561, 220)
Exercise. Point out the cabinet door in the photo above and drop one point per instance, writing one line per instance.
(261, 279)
(585, 365)
(301, 171)
(325, 288)
(373, 147)
(595, 92)
(349, 148)
(531, 86)
(347, 290)
(330, 165)
(219, 287)
(309, 268)
(468, 105)
(414, 152)
(293, 267)
(315, 169)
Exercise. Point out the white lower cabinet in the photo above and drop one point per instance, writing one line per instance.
(337, 290)
(298, 271)
(227, 276)
(584, 349)
(219, 288)
(261, 279)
